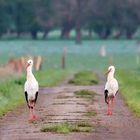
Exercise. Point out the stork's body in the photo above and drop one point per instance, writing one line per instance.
(31, 90)
(111, 89)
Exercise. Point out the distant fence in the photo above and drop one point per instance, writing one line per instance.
(18, 65)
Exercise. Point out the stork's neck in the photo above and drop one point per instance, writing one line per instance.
(110, 76)
(30, 75)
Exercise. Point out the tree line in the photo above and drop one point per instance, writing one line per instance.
(102, 17)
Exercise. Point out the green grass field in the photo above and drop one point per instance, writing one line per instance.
(79, 57)
(130, 89)
(84, 78)
(84, 56)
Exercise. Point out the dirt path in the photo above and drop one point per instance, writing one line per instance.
(59, 104)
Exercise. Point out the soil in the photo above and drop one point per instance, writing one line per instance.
(59, 104)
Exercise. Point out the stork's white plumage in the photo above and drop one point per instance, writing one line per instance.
(111, 89)
(31, 89)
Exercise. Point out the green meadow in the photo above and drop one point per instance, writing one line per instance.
(83, 57)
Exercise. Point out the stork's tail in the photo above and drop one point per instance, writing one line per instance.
(106, 95)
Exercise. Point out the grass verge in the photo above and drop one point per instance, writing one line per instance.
(84, 78)
(130, 89)
(50, 77)
(11, 95)
(68, 127)
(84, 94)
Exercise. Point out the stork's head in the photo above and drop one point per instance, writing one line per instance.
(111, 69)
(29, 63)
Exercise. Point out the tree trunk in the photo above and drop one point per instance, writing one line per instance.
(65, 33)
(78, 36)
(18, 34)
(129, 34)
(90, 33)
(78, 22)
(66, 28)
(45, 35)
(118, 34)
(1, 34)
(34, 34)
(104, 34)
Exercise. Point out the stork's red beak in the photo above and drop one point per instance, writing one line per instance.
(106, 73)
(27, 65)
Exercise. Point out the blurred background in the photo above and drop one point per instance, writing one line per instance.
(64, 19)
(65, 37)
(88, 34)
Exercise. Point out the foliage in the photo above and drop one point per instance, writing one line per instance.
(129, 87)
(104, 18)
(11, 95)
(84, 78)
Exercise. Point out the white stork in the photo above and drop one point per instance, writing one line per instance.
(31, 90)
(111, 89)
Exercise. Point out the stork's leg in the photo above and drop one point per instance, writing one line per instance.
(108, 109)
(31, 106)
(31, 114)
(113, 101)
(108, 106)
(34, 115)
(33, 111)
(112, 104)
(109, 112)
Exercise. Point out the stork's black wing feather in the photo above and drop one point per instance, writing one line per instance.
(36, 95)
(106, 95)
(26, 97)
